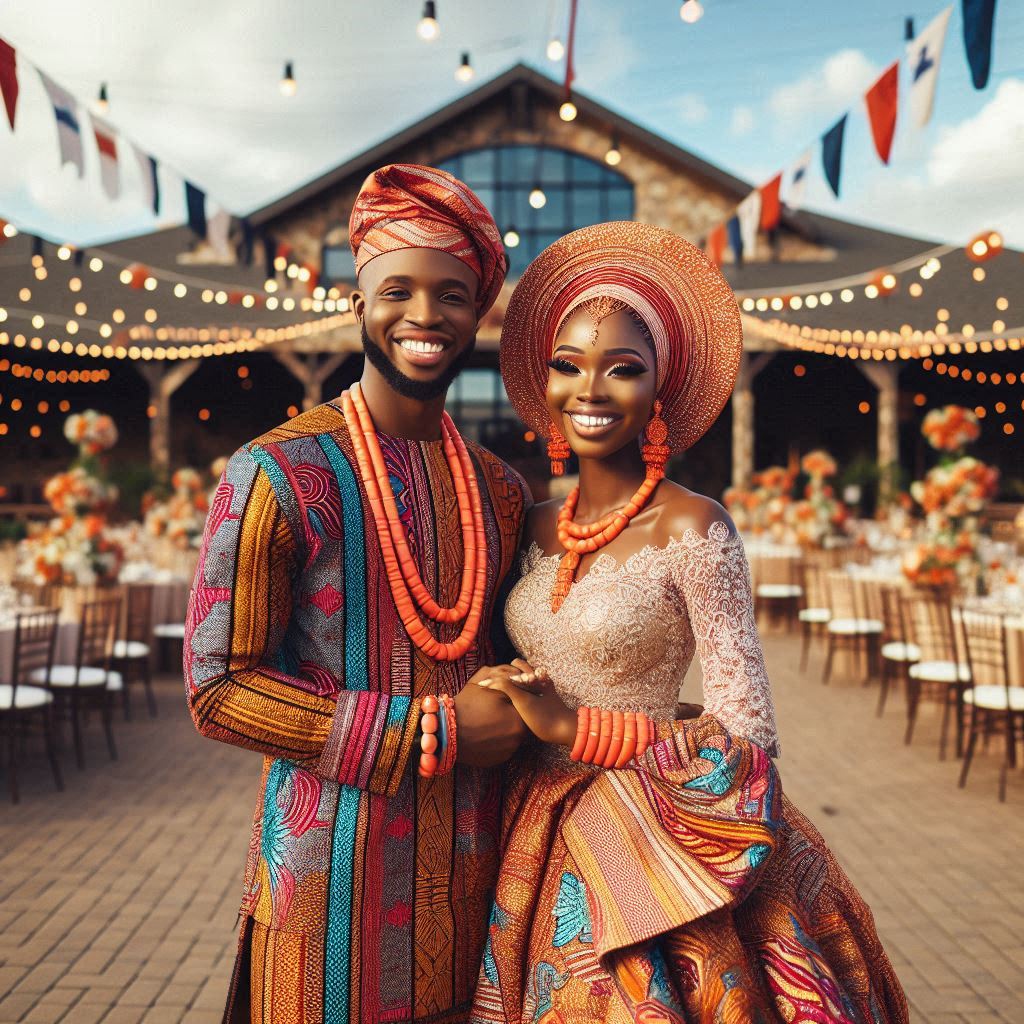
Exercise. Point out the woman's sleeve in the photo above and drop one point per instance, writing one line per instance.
(715, 582)
(240, 690)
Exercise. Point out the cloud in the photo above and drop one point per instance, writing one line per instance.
(692, 108)
(742, 121)
(840, 80)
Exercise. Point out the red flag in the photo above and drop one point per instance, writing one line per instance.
(882, 101)
(9, 79)
(715, 247)
(771, 208)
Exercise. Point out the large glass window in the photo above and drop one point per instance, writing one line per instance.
(578, 191)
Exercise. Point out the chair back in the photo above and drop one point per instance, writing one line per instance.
(871, 599)
(815, 585)
(893, 619)
(138, 613)
(35, 639)
(844, 596)
(97, 632)
(929, 621)
(984, 636)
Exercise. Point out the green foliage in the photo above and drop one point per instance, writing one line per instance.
(12, 529)
(133, 480)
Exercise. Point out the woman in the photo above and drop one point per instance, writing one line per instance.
(651, 869)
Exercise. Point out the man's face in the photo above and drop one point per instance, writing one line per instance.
(418, 314)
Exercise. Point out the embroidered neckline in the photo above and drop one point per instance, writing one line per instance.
(718, 533)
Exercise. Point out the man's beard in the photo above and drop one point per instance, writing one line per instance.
(420, 390)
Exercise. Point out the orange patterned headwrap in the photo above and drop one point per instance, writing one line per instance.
(407, 206)
(676, 290)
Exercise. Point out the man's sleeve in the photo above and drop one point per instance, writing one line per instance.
(239, 689)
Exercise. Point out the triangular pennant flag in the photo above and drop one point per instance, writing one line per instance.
(9, 79)
(106, 144)
(924, 53)
(148, 178)
(715, 247)
(735, 240)
(771, 208)
(883, 101)
(832, 153)
(798, 180)
(195, 203)
(749, 214)
(69, 132)
(979, 16)
(218, 228)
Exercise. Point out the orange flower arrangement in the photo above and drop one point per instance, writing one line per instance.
(950, 428)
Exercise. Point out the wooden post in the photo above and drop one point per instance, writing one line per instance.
(743, 417)
(885, 377)
(164, 378)
(310, 372)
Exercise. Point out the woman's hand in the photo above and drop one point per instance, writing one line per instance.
(534, 696)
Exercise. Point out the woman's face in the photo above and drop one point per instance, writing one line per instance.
(600, 394)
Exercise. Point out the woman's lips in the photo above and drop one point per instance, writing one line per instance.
(591, 425)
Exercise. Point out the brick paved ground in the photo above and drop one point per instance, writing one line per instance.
(118, 897)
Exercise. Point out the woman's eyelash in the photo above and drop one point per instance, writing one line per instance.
(628, 369)
(563, 365)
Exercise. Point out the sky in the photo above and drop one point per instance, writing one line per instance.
(750, 87)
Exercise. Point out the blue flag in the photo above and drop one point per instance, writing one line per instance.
(735, 239)
(832, 153)
(195, 202)
(979, 16)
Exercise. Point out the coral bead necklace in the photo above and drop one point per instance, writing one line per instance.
(410, 593)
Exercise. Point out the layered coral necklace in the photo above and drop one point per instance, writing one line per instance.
(407, 587)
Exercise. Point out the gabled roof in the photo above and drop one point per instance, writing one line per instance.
(361, 165)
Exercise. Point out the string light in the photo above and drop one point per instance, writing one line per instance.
(567, 111)
(511, 237)
(537, 198)
(555, 50)
(691, 12)
(428, 29)
(288, 85)
(614, 155)
(464, 72)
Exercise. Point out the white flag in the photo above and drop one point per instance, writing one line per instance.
(218, 230)
(106, 144)
(924, 53)
(749, 215)
(794, 196)
(69, 133)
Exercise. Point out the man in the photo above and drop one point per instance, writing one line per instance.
(366, 886)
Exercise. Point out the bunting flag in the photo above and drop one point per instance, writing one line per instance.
(924, 53)
(69, 133)
(735, 240)
(749, 215)
(218, 230)
(148, 178)
(106, 144)
(832, 153)
(195, 203)
(771, 207)
(798, 180)
(269, 253)
(716, 244)
(9, 79)
(979, 16)
(883, 101)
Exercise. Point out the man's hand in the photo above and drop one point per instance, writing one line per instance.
(489, 727)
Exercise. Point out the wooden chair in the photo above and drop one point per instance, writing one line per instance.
(940, 673)
(777, 587)
(815, 613)
(897, 652)
(849, 627)
(89, 681)
(994, 705)
(131, 653)
(23, 704)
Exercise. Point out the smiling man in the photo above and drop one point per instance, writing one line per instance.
(341, 605)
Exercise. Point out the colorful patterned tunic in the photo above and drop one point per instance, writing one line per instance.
(366, 888)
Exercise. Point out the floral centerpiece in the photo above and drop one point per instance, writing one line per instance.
(76, 547)
(952, 496)
(181, 517)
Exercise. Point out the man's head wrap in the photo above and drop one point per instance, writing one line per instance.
(407, 206)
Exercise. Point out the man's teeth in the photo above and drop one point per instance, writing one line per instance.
(420, 346)
(592, 421)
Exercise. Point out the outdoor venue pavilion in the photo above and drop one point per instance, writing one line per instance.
(198, 362)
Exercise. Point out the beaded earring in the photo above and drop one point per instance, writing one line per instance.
(654, 451)
(558, 451)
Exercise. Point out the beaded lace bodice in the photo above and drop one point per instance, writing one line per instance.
(626, 634)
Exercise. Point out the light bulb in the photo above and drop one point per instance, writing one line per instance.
(428, 29)
(287, 84)
(538, 199)
(511, 238)
(464, 72)
(691, 12)
(567, 111)
(613, 157)
(556, 51)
